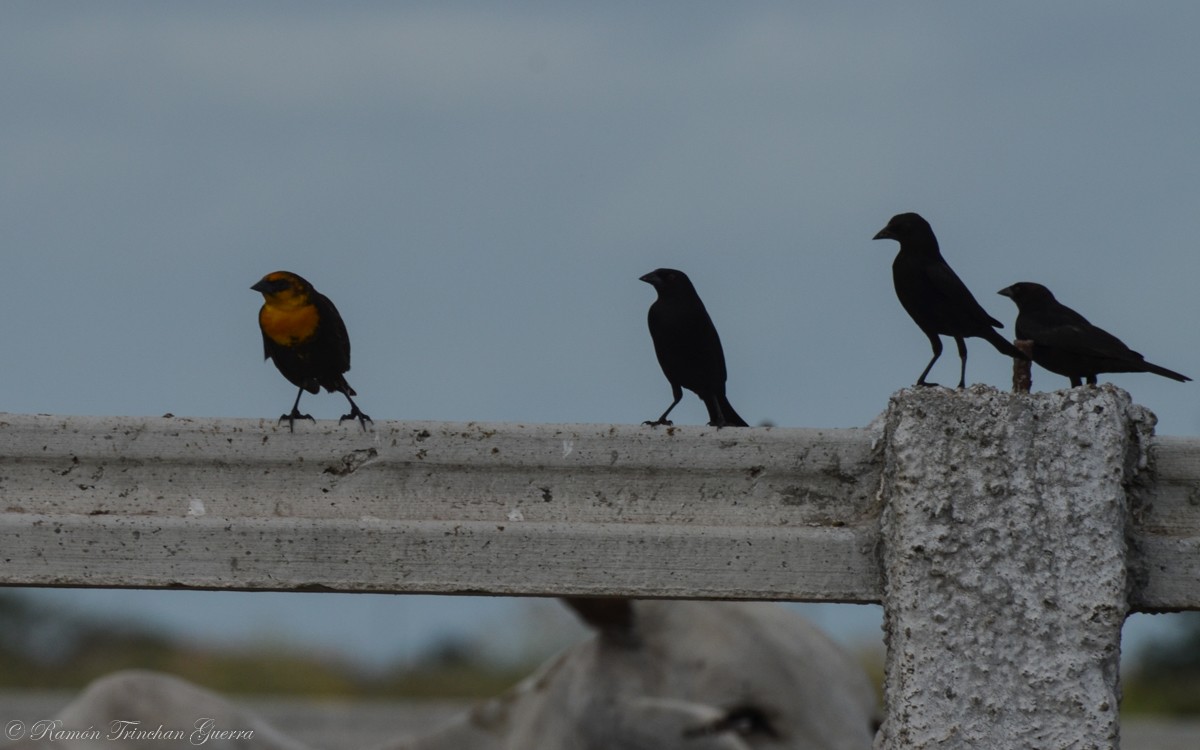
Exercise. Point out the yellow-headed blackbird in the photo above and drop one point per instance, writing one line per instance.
(303, 332)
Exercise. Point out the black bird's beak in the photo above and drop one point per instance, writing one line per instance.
(650, 278)
(270, 287)
(1006, 292)
(884, 234)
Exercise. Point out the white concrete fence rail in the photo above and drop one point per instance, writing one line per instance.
(1007, 535)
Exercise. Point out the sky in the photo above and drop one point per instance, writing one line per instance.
(478, 188)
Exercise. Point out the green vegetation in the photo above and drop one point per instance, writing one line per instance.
(48, 649)
(1166, 679)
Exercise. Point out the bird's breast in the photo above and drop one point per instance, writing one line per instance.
(289, 326)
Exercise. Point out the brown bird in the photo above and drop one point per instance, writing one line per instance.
(305, 336)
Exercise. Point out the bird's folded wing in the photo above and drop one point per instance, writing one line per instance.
(952, 288)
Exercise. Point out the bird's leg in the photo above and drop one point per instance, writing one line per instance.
(291, 418)
(1091, 379)
(355, 413)
(663, 419)
(677, 393)
(936, 343)
(962, 354)
(1075, 382)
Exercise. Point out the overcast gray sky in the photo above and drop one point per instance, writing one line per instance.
(479, 186)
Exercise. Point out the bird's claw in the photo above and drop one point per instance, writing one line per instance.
(356, 414)
(657, 422)
(291, 419)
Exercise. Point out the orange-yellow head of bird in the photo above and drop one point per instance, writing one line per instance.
(288, 316)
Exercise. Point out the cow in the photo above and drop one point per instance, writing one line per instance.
(655, 674)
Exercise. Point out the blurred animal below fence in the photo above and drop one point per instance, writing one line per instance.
(669, 675)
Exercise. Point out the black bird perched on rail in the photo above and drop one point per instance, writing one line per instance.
(1064, 342)
(305, 336)
(938, 301)
(688, 347)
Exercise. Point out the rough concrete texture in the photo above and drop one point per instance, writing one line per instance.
(440, 507)
(1003, 535)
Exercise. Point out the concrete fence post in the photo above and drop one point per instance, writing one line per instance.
(1003, 537)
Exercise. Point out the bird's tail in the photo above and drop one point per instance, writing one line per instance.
(1004, 345)
(731, 417)
(1166, 373)
(338, 384)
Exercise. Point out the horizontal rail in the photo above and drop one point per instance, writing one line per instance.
(1165, 542)
(440, 508)
(434, 507)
